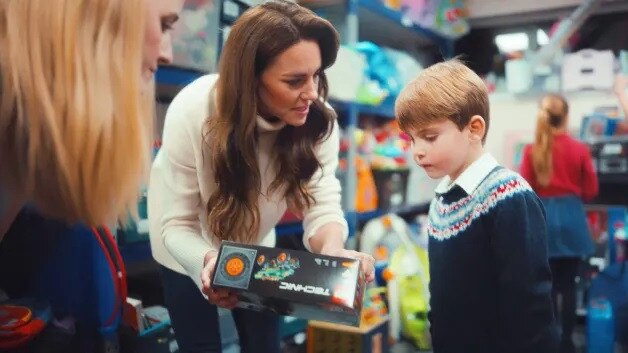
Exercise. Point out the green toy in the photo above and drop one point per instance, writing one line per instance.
(412, 280)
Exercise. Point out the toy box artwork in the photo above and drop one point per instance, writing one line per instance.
(290, 282)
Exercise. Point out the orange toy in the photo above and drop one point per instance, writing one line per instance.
(366, 196)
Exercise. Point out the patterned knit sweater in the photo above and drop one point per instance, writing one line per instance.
(490, 278)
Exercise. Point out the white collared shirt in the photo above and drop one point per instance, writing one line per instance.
(470, 177)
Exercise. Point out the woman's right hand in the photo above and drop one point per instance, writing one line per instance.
(218, 296)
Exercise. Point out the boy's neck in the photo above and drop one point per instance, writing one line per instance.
(474, 154)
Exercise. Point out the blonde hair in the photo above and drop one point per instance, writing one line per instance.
(553, 110)
(256, 39)
(74, 124)
(447, 90)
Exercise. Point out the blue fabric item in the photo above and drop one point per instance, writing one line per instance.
(490, 280)
(612, 284)
(567, 229)
(381, 68)
(63, 265)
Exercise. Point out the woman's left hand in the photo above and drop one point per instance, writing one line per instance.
(366, 261)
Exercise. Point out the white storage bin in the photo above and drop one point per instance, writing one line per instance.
(588, 69)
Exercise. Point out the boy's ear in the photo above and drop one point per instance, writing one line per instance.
(477, 127)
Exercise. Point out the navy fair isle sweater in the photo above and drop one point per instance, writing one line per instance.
(490, 278)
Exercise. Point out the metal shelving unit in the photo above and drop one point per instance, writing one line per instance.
(353, 110)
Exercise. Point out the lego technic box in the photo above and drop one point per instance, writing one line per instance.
(291, 282)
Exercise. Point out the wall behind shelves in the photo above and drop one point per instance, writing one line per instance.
(490, 8)
(514, 118)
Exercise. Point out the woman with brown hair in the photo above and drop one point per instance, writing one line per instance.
(239, 148)
(560, 170)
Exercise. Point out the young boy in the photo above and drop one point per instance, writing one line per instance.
(490, 279)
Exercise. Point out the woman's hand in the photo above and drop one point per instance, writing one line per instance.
(366, 261)
(328, 241)
(218, 296)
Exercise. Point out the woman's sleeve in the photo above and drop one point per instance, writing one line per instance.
(174, 193)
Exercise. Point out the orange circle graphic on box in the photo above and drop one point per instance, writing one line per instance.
(234, 266)
(282, 257)
(261, 259)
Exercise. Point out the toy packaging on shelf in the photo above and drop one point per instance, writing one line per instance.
(588, 69)
(380, 71)
(608, 229)
(194, 39)
(451, 19)
(382, 166)
(401, 266)
(290, 282)
(386, 148)
(369, 74)
(445, 17)
(366, 195)
(600, 328)
(608, 308)
(326, 337)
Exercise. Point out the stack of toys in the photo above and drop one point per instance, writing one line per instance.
(401, 276)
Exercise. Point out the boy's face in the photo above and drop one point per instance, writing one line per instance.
(442, 149)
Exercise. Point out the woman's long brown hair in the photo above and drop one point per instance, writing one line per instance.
(258, 36)
(552, 113)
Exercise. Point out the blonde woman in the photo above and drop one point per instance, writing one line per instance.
(75, 104)
(238, 148)
(560, 170)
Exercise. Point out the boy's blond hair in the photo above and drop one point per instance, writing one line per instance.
(447, 90)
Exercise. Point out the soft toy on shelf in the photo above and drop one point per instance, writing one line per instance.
(451, 19)
(411, 280)
(374, 308)
(380, 238)
(402, 267)
(420, 12)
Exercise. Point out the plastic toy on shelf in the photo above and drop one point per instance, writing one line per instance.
(402, 267)
(374, 307)
(402, 20)
(195, 40)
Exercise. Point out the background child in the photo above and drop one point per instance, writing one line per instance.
(560, 170)
(490, 278)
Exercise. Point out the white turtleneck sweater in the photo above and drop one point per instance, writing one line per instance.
(182, 181)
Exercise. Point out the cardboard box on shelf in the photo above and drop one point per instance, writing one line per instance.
(290, 282)
(325, 337)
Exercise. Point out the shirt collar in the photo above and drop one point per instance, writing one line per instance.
(471, 177)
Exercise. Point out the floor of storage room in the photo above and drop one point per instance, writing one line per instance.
(405, 347)
(579, 341)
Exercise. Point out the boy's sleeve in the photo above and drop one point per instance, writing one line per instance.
(525, 312)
